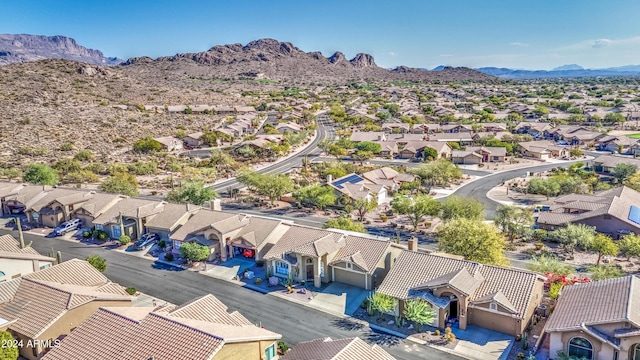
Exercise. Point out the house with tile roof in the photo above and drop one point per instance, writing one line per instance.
(479, 154)
(16, 261)
(171, 144)
(465, 293)
(388, 177)
(46, 305)
(56, 206)
(338, 349)
(357, 187)
(606, 163)
(597, 320)
(615, 211)
(134, 213)
(321, 256)
(9, 190)
(170, 219)
(202, 329)
(542, 149)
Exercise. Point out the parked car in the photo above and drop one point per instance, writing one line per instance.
(146, 240)
(65, 227)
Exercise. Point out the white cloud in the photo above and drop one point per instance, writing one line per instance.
(392, 54)
(600, 43)
(517, 43)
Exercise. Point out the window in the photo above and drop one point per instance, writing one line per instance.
(45, 266)
(282, 268)
(581, 348)
(270, 352)
(349, 266)
(493, 306)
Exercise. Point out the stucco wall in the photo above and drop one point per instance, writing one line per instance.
(244, 351)
(495, 321)
(13, 267)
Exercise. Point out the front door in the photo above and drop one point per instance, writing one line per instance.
(310, 272)
(453, 309)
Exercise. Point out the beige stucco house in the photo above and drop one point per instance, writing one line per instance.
(465, 293)
(16, 261)
(204, 326)
(598, 320)
(44, 306)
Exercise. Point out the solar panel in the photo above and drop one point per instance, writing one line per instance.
(634, 214)
(353, 179)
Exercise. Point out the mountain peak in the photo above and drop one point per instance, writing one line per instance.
(25, 47)
(362, 60)
(568, 67)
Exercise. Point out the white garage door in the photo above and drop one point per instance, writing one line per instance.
(350, 278)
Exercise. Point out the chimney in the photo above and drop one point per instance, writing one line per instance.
(412, 243)
(329, 178)
(215, 205)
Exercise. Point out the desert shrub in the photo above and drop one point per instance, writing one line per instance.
(124, 239)
(83, 155)
(131, 290)
(100, 235)
(162, 244)
(86, 234)
(554, 290)
(258, 281)
(168, 256)
(67, 146)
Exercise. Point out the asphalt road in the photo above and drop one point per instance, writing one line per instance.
(325, 131)
(295, 322)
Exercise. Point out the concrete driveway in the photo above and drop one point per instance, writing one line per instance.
(480, 343)
(338, 298)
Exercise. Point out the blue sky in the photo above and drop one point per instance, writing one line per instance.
(533, 34)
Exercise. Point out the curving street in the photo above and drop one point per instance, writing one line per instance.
(324, 131)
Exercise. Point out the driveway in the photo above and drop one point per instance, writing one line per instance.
(230, 268)
(482, 344)
(338, 298)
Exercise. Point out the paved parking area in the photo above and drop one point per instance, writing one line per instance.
(230, 268)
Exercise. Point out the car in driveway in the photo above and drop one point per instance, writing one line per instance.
(65, 227)
(146, 240)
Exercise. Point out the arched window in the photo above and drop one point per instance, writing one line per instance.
(580, 348)
(635, 354)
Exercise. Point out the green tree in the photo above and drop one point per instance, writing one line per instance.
(362, 156)
(473, 239)
(630, 246)
(97, 262)
(513, 220)
(540, 110)
(192, 193)
(614, 118)
(345, 223)
(124, 239)
(544, 264)
(430, 154)
(440, 172)
(40, 174)
(419, 312)
(147, 145)
(369, 146)
(272, 186)
(382, 303)
(458, 207)
(363, 206)
(623, 172)
(120, 183)
(194, 252)
(604, 272)
(318, 195)
(8, 350)
(633, 182)
(603, 246)
(547, 187)
(67, 165)
(81, 177)
(573, 235)
(416, 208)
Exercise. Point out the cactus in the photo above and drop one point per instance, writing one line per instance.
(58, 257)
(20, 234)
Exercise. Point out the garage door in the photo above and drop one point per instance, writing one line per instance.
(350, 278)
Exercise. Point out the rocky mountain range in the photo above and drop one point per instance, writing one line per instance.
(275, 60)
(22, 48)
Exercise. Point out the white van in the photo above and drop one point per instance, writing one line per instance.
(65, 227)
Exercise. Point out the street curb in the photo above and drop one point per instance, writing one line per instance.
(342, 316)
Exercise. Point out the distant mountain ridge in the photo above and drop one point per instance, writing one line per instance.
(23, 47)
(565, 71)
